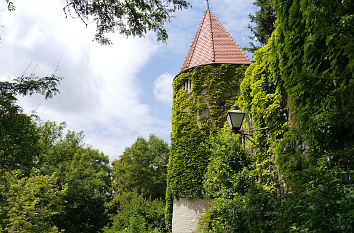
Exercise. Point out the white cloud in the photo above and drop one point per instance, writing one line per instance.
(163, 88)
(99, 94)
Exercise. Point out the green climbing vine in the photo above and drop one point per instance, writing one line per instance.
(301, 87)
(201, 98)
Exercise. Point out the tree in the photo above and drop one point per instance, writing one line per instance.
(142, 168)
(264, 21)
(29, 203)
(19, 146)
(57, 149)
(27, 85)
(129, 17)
(139, 186)
(19, 137)
(28, 199)
(89, 179)
(86, 173)
(138, 214)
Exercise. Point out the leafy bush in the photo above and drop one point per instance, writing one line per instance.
(227, 160)
(137, 214)
(28, 204)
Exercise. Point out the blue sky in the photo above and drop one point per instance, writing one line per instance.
(112, 93)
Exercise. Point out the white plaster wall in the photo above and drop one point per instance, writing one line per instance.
(186, 213)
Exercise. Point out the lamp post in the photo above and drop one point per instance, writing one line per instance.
(235, 118)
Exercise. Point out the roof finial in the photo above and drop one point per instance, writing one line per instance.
(207, 4)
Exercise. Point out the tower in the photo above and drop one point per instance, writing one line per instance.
(203, 91)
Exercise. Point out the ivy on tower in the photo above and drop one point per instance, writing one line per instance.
(203, 91)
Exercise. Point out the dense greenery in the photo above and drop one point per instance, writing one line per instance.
(139, 186)
(85, 172)
(227, 160)
(28, 199)
(28, 203)
(301, 87)
(197, 113)
(138, 214)
(50, 181)
(19, 148)
(142, 168)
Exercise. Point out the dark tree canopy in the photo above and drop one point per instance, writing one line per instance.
(19, 139)
(128, 17)
(263, 23)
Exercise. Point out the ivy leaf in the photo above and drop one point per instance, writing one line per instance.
(329, 39)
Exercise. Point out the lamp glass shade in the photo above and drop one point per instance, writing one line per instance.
(235, 119)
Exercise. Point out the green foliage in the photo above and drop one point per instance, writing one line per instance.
(19, 141)
(28, 204)
(28, 199)
(58, 150)
(129, 17)
(89, 179)
(301, 87)
(85, 172)
(18, 133)
(71, 183)
(139, 186)
(239, 213)
(322, 208)
(246, 204)
(142, 168)
(264, 21)
(197, 114)
(137, 214)
(227, 160)
(320, 86)
(27, 85)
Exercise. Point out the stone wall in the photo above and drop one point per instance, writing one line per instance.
(186, 213)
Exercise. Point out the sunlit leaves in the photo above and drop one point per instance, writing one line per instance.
(29, 203)
(301, 87)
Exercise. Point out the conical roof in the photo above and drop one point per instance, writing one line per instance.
(212, 44)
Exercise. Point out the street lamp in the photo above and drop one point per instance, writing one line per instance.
(235, 118)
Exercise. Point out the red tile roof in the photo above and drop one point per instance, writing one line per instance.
(212, 44)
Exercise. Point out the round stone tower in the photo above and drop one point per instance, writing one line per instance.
(203, 91)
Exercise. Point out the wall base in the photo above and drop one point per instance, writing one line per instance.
(186, 213)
